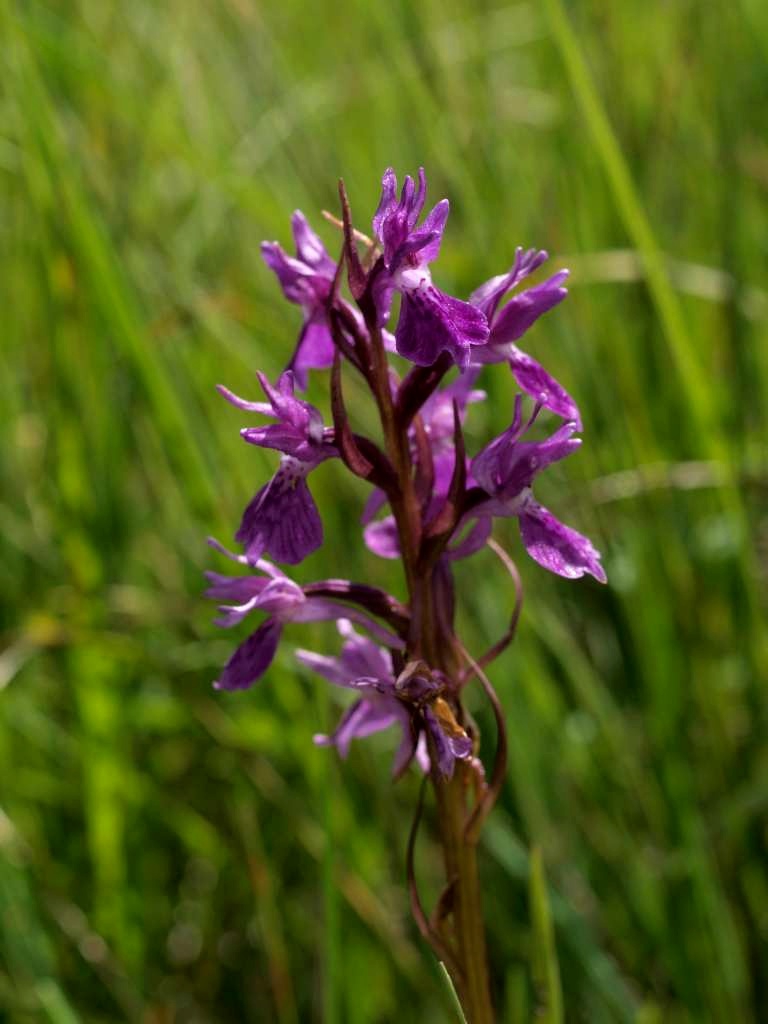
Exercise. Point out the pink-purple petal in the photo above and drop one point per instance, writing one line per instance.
(488, 295)
(262, 408)
(556, 546)
(387, 202)
(523, 310)
(377, 499)
(309, 248)
(282, 521)
(542, 387)
(252, 658)
(473, 540)
(360, 656)
(432, 322)
(314, 349)
(382, 539)
(434, 225)
(364, 718)
(329, 668)
(235, 589)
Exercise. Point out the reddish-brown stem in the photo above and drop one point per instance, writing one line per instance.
(405, 505)
(460, 856)
(459, 843)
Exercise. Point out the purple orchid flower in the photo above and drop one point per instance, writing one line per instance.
(430, 321)
(282, 519)
(367, 668)
(509, 323)
(283, 601)
(385, 701)
(505, 470)
(306, 279)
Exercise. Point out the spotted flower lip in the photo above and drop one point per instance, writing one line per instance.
(510, 322)
(306, 279)
(505, 469)
(282, 519)
(283, 601)
(430, 321)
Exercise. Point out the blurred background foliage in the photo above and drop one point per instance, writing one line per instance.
(172, 854)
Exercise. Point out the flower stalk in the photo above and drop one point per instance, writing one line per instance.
(430, 504)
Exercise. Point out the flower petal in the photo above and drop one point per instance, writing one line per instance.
(506, 466)
(432, 322)
(235, 589)
(524, 309)
(362, 719)
(326, 609)
(382, 539)
(377, 499)
(282, 519)
(406, 751)
(263, 408)
(432, 229)
(299, 282)
(252, 658)
(475, 538)
(557, 547)
(329, 668)
(309, 248)
(314, 350)
(536, 382)
(387, 202)
(488, 296)
(361, 657)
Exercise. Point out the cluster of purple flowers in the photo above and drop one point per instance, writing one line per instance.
(449, 498)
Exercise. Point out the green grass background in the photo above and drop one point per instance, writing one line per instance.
(172, 854)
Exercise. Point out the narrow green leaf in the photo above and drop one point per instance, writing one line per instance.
(452, 992)
(544, 964)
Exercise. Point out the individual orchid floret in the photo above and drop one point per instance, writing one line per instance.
(430, 321)
(508, 324)
(282, 519)
(412, 702)
(505, 470)
(367, 668)
(307, 280)
(284, 602)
